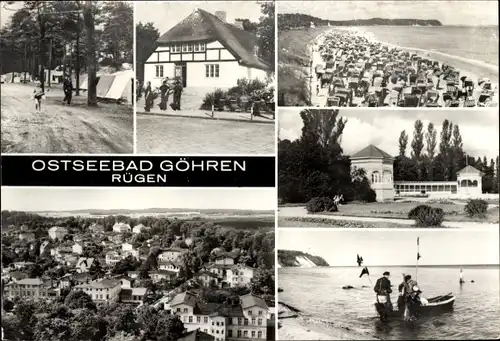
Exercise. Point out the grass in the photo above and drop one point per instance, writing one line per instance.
(306, 222)
(293, 61)
(453, 212)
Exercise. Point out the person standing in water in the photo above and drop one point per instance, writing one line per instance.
(383, 290)
(461, 275)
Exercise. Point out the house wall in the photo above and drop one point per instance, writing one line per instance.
(379, 174)
(215, 53)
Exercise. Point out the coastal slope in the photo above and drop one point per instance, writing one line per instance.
(289, 258)
(294, 20)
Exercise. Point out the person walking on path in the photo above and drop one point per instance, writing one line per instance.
(148, 96)
(68, 90)
(177, 96)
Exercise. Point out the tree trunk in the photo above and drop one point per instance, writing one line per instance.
(88, 18)
(42, 47)
(50, 63)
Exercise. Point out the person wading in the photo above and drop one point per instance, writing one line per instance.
(383, 290)
(408, 285)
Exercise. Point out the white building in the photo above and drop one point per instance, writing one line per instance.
(57, 232)
(169, 266)
(140, 228)
(239, 275)
(203, 50)
(77, 248)
(171, 255)
(28, 236)
(112, 258)
(121, 228)
(83, 264)
(103, 291)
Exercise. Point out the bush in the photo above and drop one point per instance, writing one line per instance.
(212, 98)
(426, 216)
(321, 204)
(476, 208)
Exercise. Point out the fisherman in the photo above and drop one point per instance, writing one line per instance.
(461, 276)
(383, 290)
(408, 290)
(402, 296)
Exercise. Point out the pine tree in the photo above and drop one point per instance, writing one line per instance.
(431, 142)
(403, 143)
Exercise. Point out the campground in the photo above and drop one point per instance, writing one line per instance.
(105, 129)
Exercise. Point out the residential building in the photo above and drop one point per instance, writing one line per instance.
(22, 265)
(170, 266)
(171, 254)
(27, 236)
(133, 295)
(140, 228)
(112, 257)
(133, 274)
(239, 275)
(43, 246)
(96, 228)
(121, 228)
(196, 335)
(204, 51)
(102, 291)
(159, 275)
(127, 247)
(208, 279)
(83, 264)
(57, 232)
(224, 259)
(246, 319)
(77, 248)
(33, 288)
(15, 276)
(125, 281)
(133, 253)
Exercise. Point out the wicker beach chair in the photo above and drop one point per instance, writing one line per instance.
(469, 103)
(333, 101)
(454, 104)
(410, 101)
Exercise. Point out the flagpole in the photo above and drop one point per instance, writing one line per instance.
(418, 256)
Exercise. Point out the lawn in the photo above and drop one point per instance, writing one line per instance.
(293, 64)
(308, 222)
(453, 211)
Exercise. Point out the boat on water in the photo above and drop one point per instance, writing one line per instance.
(432, 306)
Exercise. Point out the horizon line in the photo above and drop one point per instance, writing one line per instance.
(138, 209)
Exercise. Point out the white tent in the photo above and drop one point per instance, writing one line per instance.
(114, 86)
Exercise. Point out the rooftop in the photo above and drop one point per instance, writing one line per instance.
(371, 152)
(249, 300)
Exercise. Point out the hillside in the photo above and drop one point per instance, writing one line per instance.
(289, 21)
(299, 259)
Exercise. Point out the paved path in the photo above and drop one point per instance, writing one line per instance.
(300, 211)
(62, 129)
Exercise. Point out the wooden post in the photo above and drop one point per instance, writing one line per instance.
(213, 109)
(24, 63)
(251, 111)
(50, 62)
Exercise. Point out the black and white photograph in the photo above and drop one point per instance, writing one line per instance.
(388, 168)
(388, 53)
(437, 284)
(67, 77)
(206, 80)
(138, 264)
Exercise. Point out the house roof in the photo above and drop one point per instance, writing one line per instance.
(206, 273)
(196, 335)
(30, 281)
(371, 152)
(249, 300)
(202, 25)
(184, 298)
(103, 284)
(17, 275)
(164, 272)
(470, 170)
(58, 229)
(87, 261)
(134, 291)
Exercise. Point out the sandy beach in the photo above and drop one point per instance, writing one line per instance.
(333, 79)
(304, 328)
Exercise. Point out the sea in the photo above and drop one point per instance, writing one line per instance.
(474, 49)
(318, 293)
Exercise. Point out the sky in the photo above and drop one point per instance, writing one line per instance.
(448, 12)
(67, 199)
(6, 11)
(167, 15)
(479, 128)
(339, 247)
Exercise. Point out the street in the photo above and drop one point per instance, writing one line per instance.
(62, 129)
(178, 135)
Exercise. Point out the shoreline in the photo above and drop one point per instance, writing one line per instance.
(303, 327)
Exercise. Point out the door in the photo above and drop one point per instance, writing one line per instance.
(181, 73)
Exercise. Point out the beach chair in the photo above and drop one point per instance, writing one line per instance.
(411, 101)
(413, 79)
(232, 104)
(220, 104)
(469, 103)
(447, 96)
(333, 101)
(454, 104)
(482, 99)
(432, 105)
(244, 104)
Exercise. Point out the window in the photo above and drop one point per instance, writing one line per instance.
(196, 47)
(190, 319)
(239, 321)
(259, 322)
(260, 312)
(246, 322)
(249, 312)
(259, 334)
(239, 333)
(178, 310)
(253, 333)
(159, 71)
(230, 333)
(212, 70)
(205, 320)
(190, 47)
(185, 310)
(184, 48)
(198, 319)
(253, 321)
(245, 333)
(107, 296)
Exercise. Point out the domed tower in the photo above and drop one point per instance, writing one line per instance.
(379, 167)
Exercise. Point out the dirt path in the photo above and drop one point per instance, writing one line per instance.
(62, 129)
(301, 211)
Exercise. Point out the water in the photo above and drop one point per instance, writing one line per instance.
(473, 50)
(318, 293)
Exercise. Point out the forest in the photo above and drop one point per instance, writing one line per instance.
(79, 36)
(315, 166)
